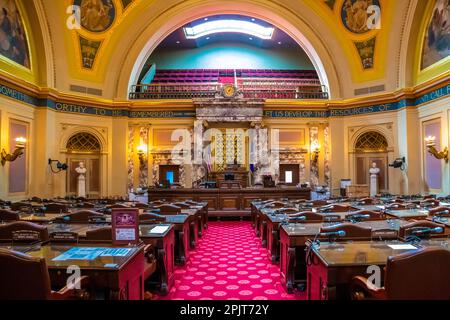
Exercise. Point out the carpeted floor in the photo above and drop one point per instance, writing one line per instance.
(229, 264)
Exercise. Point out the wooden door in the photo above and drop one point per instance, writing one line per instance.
(364, 163)
(92, 164)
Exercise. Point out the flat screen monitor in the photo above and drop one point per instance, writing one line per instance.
(169, 176)
(229, 176)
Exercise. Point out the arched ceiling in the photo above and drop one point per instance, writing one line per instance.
(108, 52)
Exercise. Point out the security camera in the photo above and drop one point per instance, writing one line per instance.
(398, 163)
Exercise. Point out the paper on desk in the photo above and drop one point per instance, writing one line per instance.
(159, 229)
(406, 246)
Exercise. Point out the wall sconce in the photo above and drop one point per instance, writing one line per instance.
(18, 151)
(142, 153)
(432, 150)
(59, 166)
(315, 148)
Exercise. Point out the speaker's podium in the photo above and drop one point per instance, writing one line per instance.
(232, 177)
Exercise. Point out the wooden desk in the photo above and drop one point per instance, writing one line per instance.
(228, 199)
(293, 239)
(334, 265)
(121, 277)
(164, 244)
(40, 218)
(195, 223)
(409, 214)
(181, 228)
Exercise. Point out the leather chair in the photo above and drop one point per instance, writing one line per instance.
(287, 210)
(26, 278)
(151, 218)
(309, 217)
(101, 234)
(141, 205)
(430, 203)
(168, 209)
(275, 204)
(372, 215)
(352, 231)
(408, 229)
(9, 215)
(117, 206)
(36, 199)
(17, 206)
(319, 203)
(183, 205)
(366, 200)
(56, 208)
(6, 230)
(439, 210)
(337, 208)
(87, 205)
(415, 275)
(82, 216)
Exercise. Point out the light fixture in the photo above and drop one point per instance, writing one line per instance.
(315, 148)
(178, 42)
(18, 151)
(59, 166)
(220, 26)
(142, 153)
(432, 150)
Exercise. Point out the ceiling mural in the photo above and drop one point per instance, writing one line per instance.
(89, 49)
(436, 44)
(366, 51)
(356, 14)
(96, 15)
(97, 19)
(13, 38)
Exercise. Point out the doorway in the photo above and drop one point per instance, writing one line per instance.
(289, 174)
(84, 147)
(169, 174)
(371, 147)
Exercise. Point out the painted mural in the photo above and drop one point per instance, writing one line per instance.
(13, 40)
(366, 51)
(355, 14)
(89, 50)
(437, 37)
(96, 15)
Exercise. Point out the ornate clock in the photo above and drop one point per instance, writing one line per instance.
(229, 90)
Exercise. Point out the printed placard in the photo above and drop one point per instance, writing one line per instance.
(125, 226)
(26, 235)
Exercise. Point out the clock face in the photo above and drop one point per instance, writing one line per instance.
(229, 90)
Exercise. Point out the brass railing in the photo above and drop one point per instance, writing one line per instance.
(265, 89)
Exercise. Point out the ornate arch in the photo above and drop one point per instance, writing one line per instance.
(287, 20)
(380, 129)
(69, 132)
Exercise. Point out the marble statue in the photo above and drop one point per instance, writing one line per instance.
(81, 170)
(374, 171)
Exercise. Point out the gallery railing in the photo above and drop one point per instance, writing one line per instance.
(269, 89)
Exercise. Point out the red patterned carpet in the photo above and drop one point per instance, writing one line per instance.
(229, 264)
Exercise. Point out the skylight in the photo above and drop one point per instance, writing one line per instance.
(220, 26)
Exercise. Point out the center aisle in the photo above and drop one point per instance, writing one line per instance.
(229, 263)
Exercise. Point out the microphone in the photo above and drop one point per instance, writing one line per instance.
(340, 233)
(428, 230)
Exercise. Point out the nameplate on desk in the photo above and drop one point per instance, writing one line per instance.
(94, 219)
(64, 236)
(25, 235)
(384, 234)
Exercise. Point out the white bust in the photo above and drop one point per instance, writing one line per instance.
(81, 169)
(374, 170)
